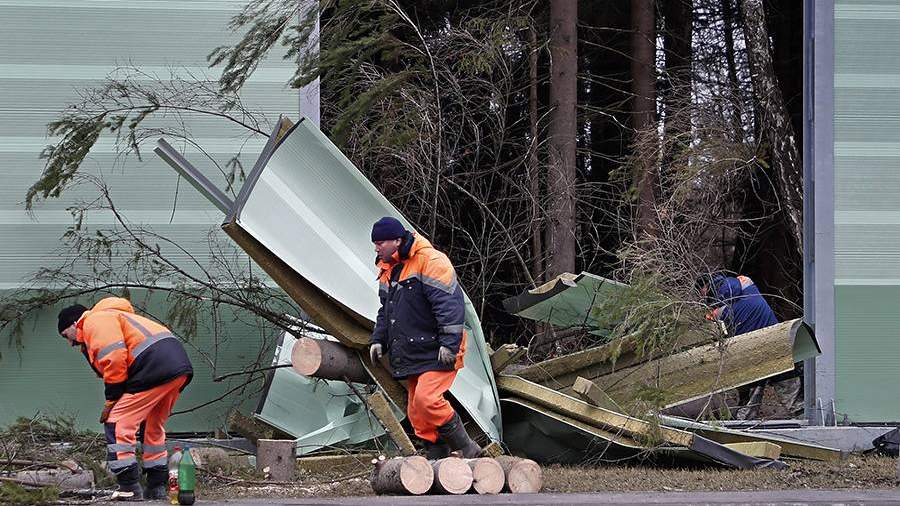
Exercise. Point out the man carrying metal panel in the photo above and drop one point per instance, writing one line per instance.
(144, 369)
(420, 326)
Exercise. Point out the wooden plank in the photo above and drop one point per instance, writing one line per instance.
(506, 355)
(382, 411)
(706, 369)
(395, 390)
(492, 450)
(592, 415)
(591, 393)
(758, 449)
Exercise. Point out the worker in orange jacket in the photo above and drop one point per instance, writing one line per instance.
(421, 327)
(144, 368)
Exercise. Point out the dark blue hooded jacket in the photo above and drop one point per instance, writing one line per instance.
(740, 305)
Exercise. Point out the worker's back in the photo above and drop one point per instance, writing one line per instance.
(743, 308)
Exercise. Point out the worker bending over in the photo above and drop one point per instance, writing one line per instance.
(144, 368)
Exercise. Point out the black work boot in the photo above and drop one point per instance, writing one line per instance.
(454, 433)
(131, 492)
(157, 481)
(436, 451)
(129, 485)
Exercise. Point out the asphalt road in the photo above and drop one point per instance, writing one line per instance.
(792, 497)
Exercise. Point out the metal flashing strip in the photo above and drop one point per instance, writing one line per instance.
(274, 141)
(203, 185)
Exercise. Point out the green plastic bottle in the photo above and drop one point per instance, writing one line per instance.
(187, 479)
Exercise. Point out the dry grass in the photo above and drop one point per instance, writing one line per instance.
(853, 473)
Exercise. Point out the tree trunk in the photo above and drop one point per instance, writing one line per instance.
(327, 360)
(678, 19)
(643, 89)
(403, 475)
(562, 133)
(277, 458)
(451, 476)
(487, 476)
(728, 22)
(523, 476)
(534, 175)
(775, 123)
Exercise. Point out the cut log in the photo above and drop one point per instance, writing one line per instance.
(323, 359)
(403, 475)
(452, 475)
(63, 479)
(487, 476)
(382, 411)
(523, 476)
(277, 458)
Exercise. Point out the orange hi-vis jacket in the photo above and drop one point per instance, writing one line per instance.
(130, 352)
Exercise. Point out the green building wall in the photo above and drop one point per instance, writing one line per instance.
(866, 193)
(50, 49)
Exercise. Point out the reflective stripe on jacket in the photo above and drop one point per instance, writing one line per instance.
(422, 309)
(130, 352)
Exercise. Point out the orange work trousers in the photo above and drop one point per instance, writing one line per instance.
(150, 409)
(426, 406)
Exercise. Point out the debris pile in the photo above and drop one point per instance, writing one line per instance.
(570, 409)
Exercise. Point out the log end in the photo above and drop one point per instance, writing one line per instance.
(416, 475)
(452, 475)
(487, 476)
(525, 477)
(306, 357)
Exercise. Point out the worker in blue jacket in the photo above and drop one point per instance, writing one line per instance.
(737, 303)
(741, 308)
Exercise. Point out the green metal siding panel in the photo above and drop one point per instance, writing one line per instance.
(866, 218)
(50, 49)
(867, 324)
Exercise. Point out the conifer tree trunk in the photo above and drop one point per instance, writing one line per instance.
(774, 120)
(562, 131)
(643, 89)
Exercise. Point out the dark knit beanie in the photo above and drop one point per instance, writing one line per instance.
(387, 228)
(69, 315)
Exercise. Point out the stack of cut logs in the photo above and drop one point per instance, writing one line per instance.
(416, 476)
